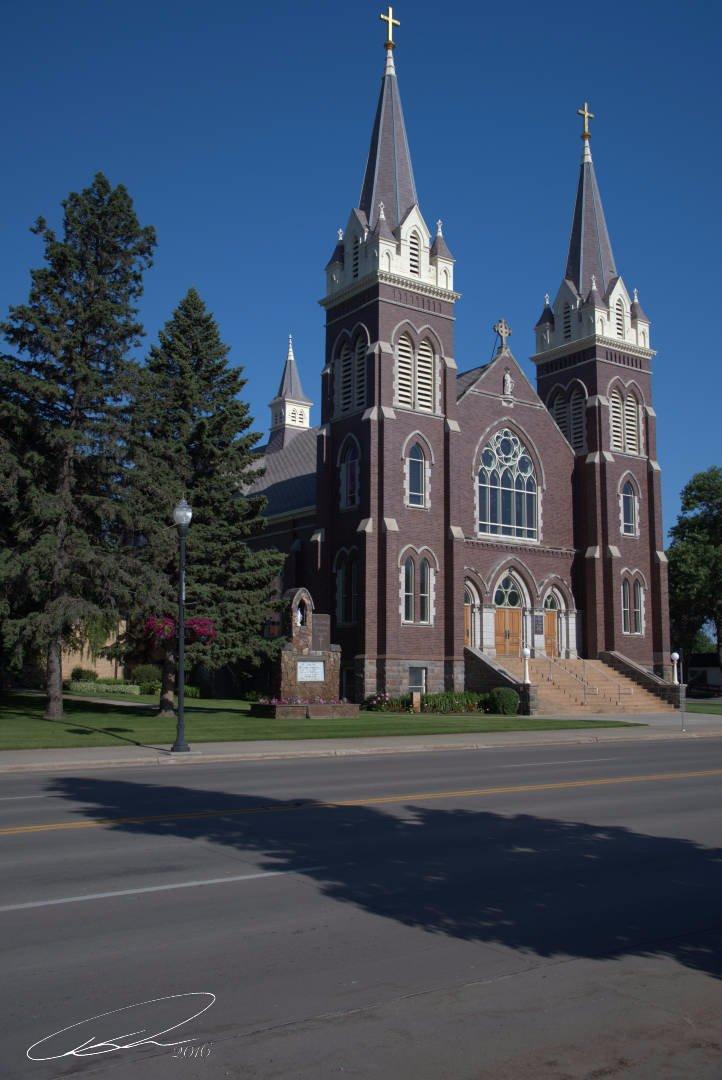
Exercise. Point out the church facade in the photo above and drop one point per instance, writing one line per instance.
(442, 515)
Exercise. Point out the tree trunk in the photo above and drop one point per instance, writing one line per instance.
(54, 682)
(718, 632)
(167, 686)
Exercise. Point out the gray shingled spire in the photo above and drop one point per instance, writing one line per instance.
(290, 386)
(389, 178)
(590, 250)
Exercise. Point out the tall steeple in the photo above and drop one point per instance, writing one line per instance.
(386, 233)
(590, 250)
(389, 177)
(290, 408)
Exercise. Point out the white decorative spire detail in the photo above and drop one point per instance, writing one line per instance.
(636, 297)
(382, 212)
(546, 299)
(594, 282)
(439, 227)
(340, 234)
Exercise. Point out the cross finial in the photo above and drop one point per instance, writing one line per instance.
(503, 329)
(439, 227)
(391, 22)
(587, 116)
(546, 299)
(382, 212)
(340, 234)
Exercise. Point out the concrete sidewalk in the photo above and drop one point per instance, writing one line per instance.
(659, 727)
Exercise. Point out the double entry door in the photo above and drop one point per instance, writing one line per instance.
(508, 631)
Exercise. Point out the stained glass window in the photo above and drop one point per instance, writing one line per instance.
(507, 488)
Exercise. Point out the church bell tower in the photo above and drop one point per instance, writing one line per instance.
(594, 373)
(389, 373)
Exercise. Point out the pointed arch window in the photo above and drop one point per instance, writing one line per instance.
(349, 485)
(560, 413)
(577, 419)
(631, 424)
(626, 612)
(408, 573)
(359, 362)
(414, 253)
(507, 489)
(417, 477)
(425, 591)
(508, 592)
(629, 509)
(415, 375)
(616, 415)
(637, 608)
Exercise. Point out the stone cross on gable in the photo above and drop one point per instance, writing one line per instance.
(503, 329)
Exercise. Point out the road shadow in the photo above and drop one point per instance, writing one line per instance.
(537, 885)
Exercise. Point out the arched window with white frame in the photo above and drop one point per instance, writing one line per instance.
(349, 480)
(629, 509)
(637, 594)
(417, 477)
(425, 591)
(408, 583)
(626, 607)
(507, 489)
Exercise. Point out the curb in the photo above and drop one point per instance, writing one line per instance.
(199, 758)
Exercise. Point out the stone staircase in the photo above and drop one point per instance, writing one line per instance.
(583, 686)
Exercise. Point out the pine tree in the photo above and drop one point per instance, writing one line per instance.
(64, 397)
(193, 440)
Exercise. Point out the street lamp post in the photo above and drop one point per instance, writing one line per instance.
(182, 517)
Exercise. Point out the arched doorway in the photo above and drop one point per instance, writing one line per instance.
(552, 617)
(508, 600)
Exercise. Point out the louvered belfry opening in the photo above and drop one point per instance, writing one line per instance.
(415, 375)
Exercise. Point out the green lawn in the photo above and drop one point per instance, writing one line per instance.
(711, 707)
(92, 724)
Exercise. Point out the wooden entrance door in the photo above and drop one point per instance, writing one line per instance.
(468, 619)
(508, 631)
(551, 635)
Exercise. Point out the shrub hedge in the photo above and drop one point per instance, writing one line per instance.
(79, 686)
(147, 673)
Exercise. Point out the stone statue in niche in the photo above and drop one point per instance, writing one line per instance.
(508, 383)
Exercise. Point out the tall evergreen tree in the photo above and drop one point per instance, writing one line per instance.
(65, 399)
(194, 440)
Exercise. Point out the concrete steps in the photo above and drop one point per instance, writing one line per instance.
(584, 686)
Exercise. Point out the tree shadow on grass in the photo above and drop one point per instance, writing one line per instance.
(537, 885)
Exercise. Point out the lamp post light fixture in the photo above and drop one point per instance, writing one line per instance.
(526, 653)
(182, 516)
(675, 675)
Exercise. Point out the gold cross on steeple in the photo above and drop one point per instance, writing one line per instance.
(584, 112)
(391, 23)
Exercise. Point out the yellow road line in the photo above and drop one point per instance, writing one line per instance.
(371, 800)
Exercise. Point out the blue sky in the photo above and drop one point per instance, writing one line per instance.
(241, 131)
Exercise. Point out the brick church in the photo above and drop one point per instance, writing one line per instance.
(447, 518)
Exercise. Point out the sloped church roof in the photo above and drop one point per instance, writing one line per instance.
(590, 249)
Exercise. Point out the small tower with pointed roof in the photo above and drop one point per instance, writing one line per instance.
(290, 408)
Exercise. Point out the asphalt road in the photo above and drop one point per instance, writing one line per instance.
(529, 913)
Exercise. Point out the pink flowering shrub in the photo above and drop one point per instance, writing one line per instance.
(163, 628)
(160, 627)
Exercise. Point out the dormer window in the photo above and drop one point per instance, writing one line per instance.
(414, 254)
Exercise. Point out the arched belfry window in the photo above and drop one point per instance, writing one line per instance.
(560, 413)
(355, 256)
(350, 375)
(507, 485)
(415, 375)
(416, 477)
(567, 322)
(625, 421)
(359, 360)
(349, 486)
(577, 419)
(414, 253)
